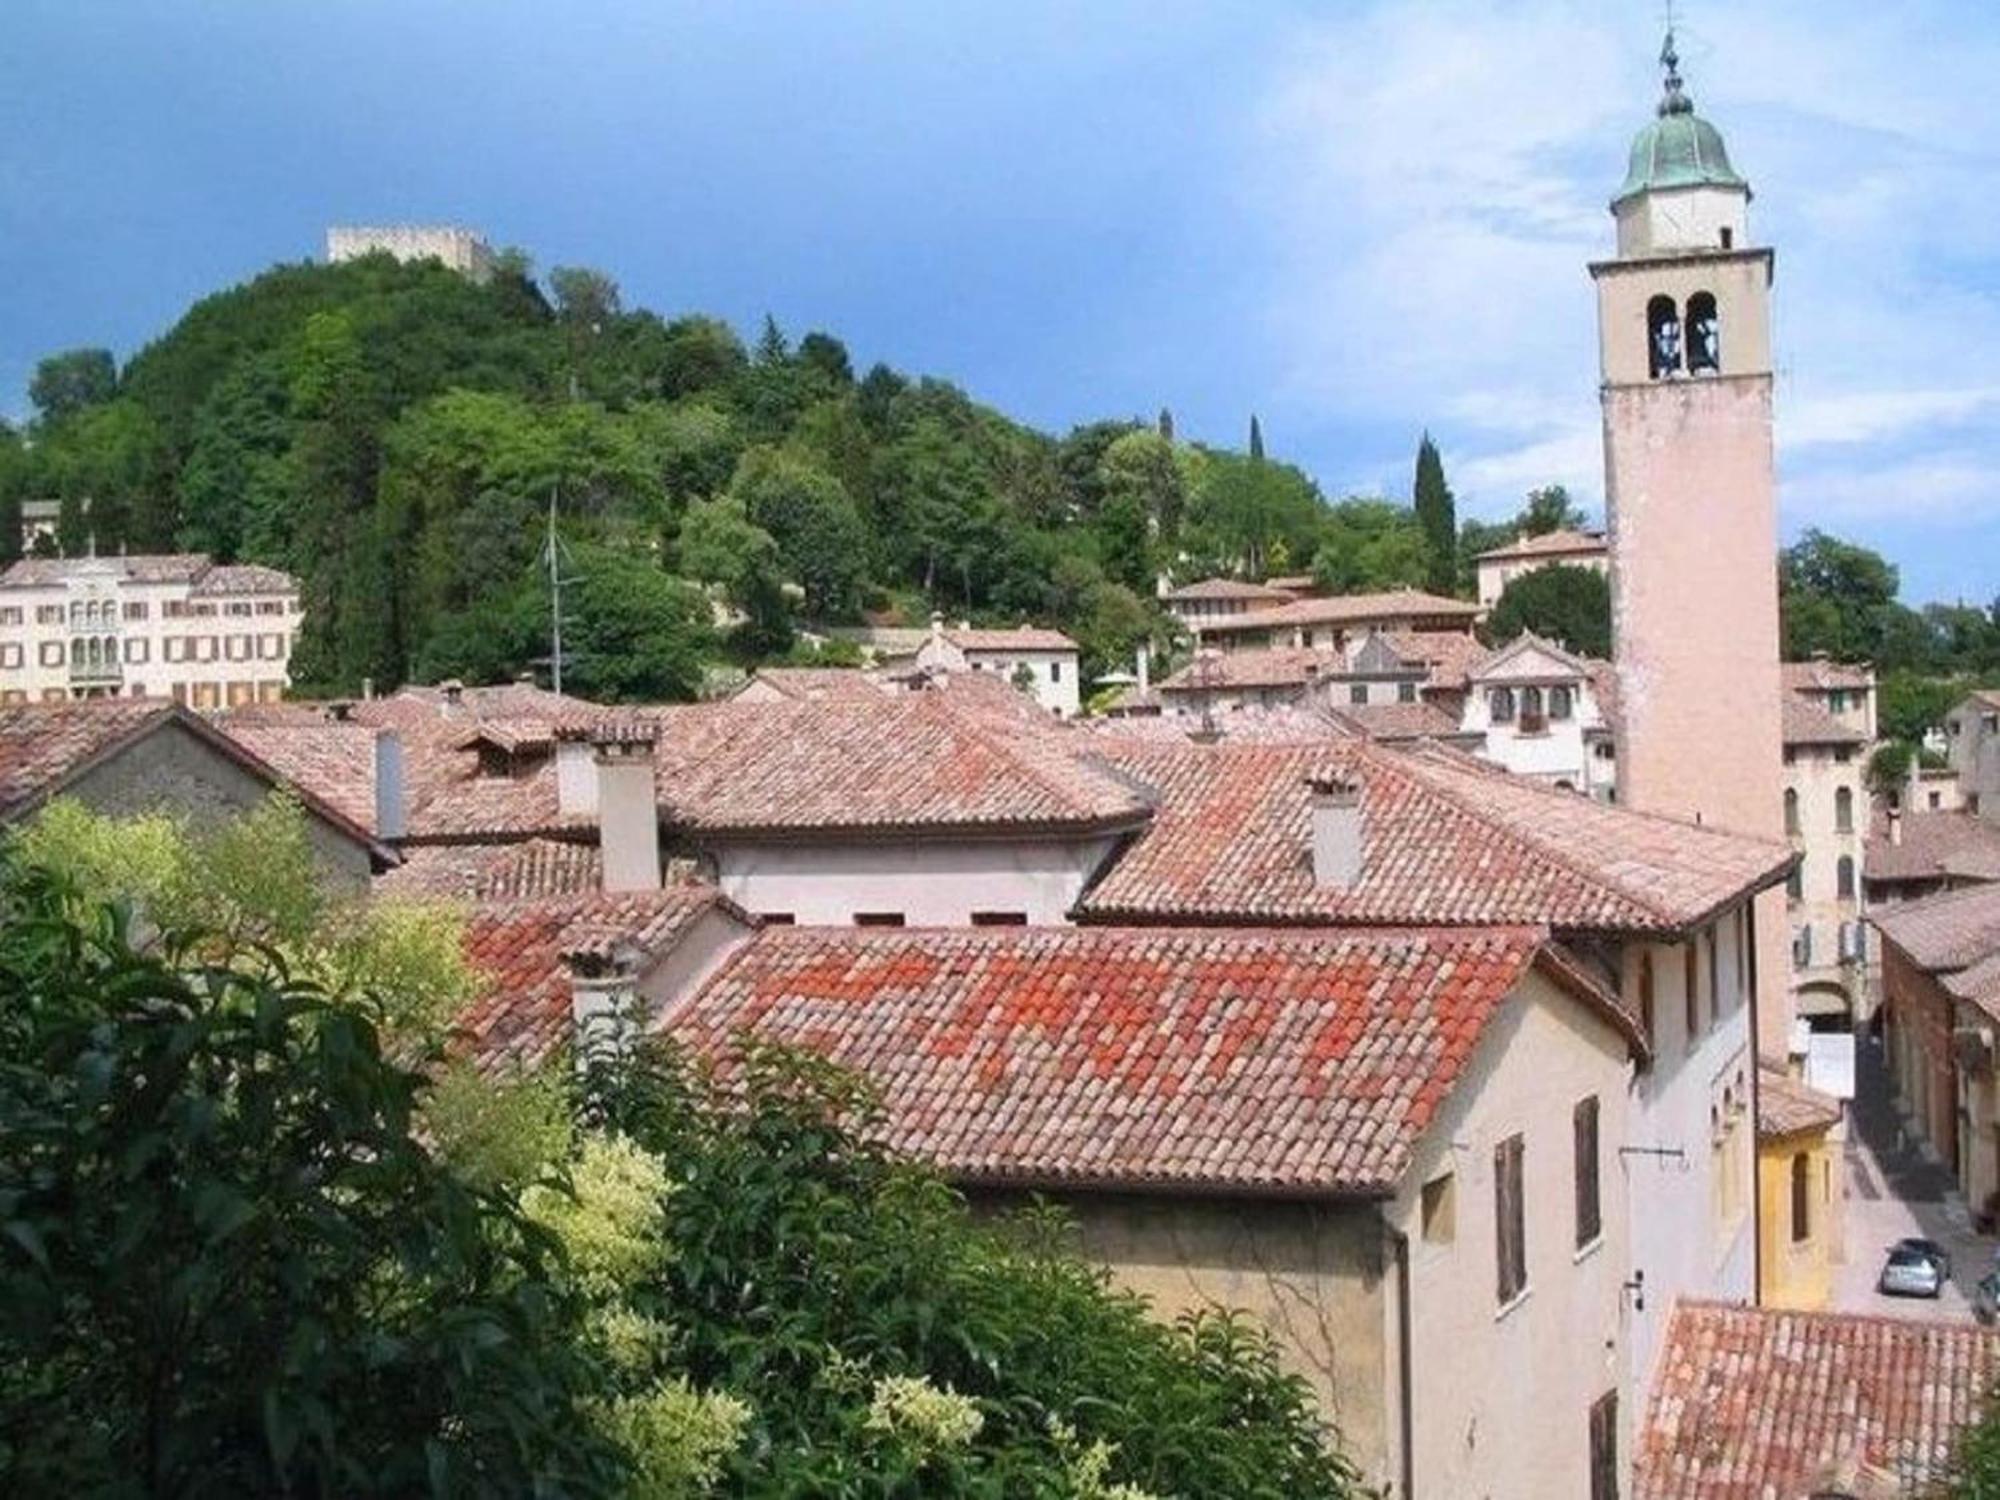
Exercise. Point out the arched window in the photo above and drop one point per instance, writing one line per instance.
(1704, 334)
(1791, 809)
(1843, 810)
(1531, 708)
(1559, 702)
(1500, 705)
(1795, 883)
(1801, 1197)
(1663, 337)
(1843, 877)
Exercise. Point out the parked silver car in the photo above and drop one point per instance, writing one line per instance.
(1914, 1269)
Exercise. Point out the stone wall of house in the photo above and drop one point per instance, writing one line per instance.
(460, 250)
(1314, 1274)
(172, 771)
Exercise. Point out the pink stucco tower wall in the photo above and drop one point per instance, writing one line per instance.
(1684, 326)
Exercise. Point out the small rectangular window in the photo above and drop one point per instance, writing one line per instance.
(878, 919)
(1440, 1210)
(778, 919)
(1358, 693)
(999, 919)
(1406, 692)
(1055, 671)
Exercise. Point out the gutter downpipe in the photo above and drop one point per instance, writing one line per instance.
(1756, 1113)
(1405, 1376)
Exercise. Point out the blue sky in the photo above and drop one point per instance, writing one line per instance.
(1357, 220)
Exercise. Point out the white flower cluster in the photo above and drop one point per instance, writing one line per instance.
(911, 1408)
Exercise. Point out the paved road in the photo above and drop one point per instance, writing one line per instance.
(1894, 1189)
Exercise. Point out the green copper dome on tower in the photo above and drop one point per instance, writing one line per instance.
(1679, 149)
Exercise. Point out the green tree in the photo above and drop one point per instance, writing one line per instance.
(1550, 509)
(722, 545)
(820, 536)
(631, 633)
(1437, 516)
(228, 1265)
(1833, 597)
(1570, 606)
(65, 384)
(1369, 545)
(1256, 439)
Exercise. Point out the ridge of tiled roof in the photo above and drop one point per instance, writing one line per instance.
(1547, 544)
(1786, 1106)
(1266, 666)
(1934, 845)
(1806, 723)
(244, 578)
(1283, 724)
(1446, 839)
(1760, 1404)
(1227, 588)
(160, 567)
(819, 682)
(524, 1013)
(1338, 609)
(1204, 1060)
(1398, 721)
(1823, 675)
(918, 761)
(1009, 638)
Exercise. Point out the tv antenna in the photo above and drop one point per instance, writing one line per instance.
(556, 557)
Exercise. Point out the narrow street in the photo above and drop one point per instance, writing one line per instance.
(1894, 1189)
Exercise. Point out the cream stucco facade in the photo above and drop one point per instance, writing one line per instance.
(1536, 711)
(1826, 818)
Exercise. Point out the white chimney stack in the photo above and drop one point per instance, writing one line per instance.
(1895, 825)
(628, 810)
(576, 772)
(1336, 831)
(1145, 669)
(391, 813)
(603, 995)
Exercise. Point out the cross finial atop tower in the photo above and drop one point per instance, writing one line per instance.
(1674, 101)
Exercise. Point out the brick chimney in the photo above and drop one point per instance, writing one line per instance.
(628, 811)
(391, 811)
(1336, 831)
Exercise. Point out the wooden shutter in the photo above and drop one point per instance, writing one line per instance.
(1604, 1447)
(1589, 1208)
(1510, 1229)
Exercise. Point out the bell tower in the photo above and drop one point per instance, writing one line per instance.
(1684, 332)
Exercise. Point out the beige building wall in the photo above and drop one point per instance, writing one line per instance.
(1494, 574)
(1502, 1394)
(1827, 821)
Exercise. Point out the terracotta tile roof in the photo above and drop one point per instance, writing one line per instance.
(518, 946)
(334, 761)
(1284, 724)
(1240, 1060)
(245, 578)
(1951, 930)
(1551, 544)
(819, 682)
(1786, 1107)
(1016, 638)
(1228, 588)
(919, 761)
(167, 567)
(525, 870)
(1450, 654)
(43, 744)
(1395, 722)
(1806, 723)
(1446, 839)
(1933, 846)
(1274, 666)
(1347, 609)
(1822, 676)
(512, 733)
(1757, 1404)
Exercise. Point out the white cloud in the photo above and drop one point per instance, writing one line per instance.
(1436, 179)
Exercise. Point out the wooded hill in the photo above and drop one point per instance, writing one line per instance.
(395, 434)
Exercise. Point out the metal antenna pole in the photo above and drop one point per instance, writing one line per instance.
(552, 554)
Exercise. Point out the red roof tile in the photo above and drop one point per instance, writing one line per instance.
(1820, 675)
(1806, 723)
(819, 682)
(1446, 839)
(1551, 544)
(1394, 722)
(1757, 1404)
(1013, 638)
(43, 744)
(1274, 666)
(1933, 846)
(529, 869)
(1450, 654)
(1228, 588)
(1241, 1060)
(1347, 609)
(336, 761)
(1786, 1107)
(518, 947)
(918, 760)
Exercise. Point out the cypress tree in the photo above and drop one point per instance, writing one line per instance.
(1256, 439)
(1437, 516)
(1166, 424)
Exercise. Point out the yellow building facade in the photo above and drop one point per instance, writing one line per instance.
(1800, 1190)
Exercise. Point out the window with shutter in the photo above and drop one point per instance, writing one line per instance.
(1589, 1207)
(1510, 1228)
(1604, 1447)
